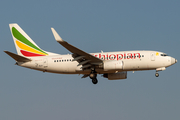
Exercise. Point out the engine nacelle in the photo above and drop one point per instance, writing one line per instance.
(115, 76)
(113, 65)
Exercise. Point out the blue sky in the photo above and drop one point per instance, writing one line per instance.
(91, 26)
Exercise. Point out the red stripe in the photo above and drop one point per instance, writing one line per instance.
(30, 54)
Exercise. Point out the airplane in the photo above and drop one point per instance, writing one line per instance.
(112, 65)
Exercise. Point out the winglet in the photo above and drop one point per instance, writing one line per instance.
(56, 36)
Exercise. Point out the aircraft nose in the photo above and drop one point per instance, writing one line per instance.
(173, 60)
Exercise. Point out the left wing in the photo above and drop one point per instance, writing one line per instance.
(83, 58)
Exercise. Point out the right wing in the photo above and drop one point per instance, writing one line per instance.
(83, 58)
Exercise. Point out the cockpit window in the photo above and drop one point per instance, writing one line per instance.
(164, 54)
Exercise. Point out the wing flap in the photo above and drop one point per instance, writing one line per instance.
(77, 58)
(83, 62)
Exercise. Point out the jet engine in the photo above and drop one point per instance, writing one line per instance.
(113, 65)
(115, 76)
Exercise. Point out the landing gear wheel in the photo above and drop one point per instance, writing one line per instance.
(92, 76)
(94, 81)
(157, 74)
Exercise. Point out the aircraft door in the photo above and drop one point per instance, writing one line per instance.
(41, 63)
(45, 63)
(153, 56)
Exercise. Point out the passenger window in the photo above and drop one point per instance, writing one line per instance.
(54, 60)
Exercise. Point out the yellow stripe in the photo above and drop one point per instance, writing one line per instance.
(27, 48)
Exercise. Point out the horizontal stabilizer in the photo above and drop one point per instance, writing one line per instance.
(17, 57)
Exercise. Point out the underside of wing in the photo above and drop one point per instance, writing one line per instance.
(85, 59)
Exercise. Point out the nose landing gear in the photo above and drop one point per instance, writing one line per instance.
(159, 69)
(157, 74)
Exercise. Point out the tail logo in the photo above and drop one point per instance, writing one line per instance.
(28, 49)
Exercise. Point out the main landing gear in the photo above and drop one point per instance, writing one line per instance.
(93, 76)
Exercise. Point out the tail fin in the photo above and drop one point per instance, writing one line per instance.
(25, 46)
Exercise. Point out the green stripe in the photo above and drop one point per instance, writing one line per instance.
(21, 38)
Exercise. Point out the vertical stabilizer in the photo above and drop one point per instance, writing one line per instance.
(25, 46)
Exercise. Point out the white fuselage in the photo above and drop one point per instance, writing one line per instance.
(113, 65)
(131, 61)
